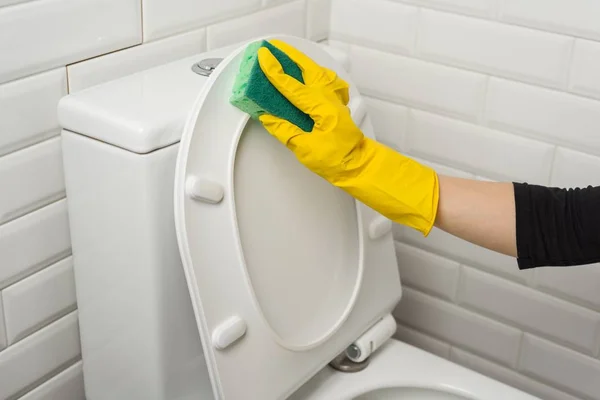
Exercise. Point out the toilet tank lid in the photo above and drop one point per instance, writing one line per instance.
(144, 111)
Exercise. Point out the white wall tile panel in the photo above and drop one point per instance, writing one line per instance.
(51, 33)
(39, 299)
(459, 327)
(4, 3)
(427, 272)
(422, 341)
(34, 241)
(585, 68)
(493, 153)
(561, 367)
(508, 376)
(286, 19)
(67, 385)
(495, 48)
(449, 246)
(163, 18)
(318, 14)
(575, 169)
(483, 8)
(529, 309)
(580, 285)
(574, 17)
(443, 169)
(339, 55)
(33, 178)
(3, 340)
(389, 122)
(433, 87)
(28, 109)
(550, 115)
(39, 355)
(115, 65)
(385, 24)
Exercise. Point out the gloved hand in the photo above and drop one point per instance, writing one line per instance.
(393, 185)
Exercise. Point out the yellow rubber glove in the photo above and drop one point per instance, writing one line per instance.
(396, 186)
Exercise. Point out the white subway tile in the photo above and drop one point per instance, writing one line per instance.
(551, 115)
(495, 48)
(338, 44)
(68, 385)
(28, 109)
(125, 62)
(339, 55)
(450, 246)
(481, 8)
(418, 83)
(563, 368)
(427, 272)
(478, 149)
(458, 326)
(51, 33)
(444, 170)
(508, 376)
(39, 299)
(422, 341)
(574, 169)
(34, 176)
(318, 14)
(389, 122)
(4, 3)
(34, 241)
(585, 68)
(580, 285)
(286, 19)
(529, 309)
(3, 340)
(379, 24)
(163, 18)
(573, 17)
(39, 355)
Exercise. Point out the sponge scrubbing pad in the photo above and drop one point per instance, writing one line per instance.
(255, 95)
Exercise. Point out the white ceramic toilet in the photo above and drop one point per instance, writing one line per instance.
(210, 264)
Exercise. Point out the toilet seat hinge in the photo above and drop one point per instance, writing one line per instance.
(356, 356)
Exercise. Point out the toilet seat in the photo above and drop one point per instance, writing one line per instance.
(284, 270)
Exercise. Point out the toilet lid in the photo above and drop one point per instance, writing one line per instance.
(284, 270)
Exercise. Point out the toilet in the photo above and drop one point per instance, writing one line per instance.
(210, 264)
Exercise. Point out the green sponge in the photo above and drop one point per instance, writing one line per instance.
(255, 95)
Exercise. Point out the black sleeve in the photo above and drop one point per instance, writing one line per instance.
(557, 227)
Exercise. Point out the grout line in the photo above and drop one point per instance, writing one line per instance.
(485, 102)
(142, 20)
(552, 162)
(68, 80)
(416, 43)
(569, 69)
(519, 349)
(306, 20)
(3, 321)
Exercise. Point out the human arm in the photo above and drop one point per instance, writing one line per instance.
(479, 212)
(541, 226)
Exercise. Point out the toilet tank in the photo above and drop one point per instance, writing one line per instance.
(120, 140)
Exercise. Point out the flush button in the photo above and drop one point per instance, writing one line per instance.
(379, 227)
(228, 332)
(204, 190)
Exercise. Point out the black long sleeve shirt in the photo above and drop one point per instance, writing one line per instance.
(557, 227)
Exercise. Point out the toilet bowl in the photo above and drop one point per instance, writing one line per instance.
(210, 264)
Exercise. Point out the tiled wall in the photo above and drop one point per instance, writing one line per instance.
(49, 48)
(496, 90)
(488, 89)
